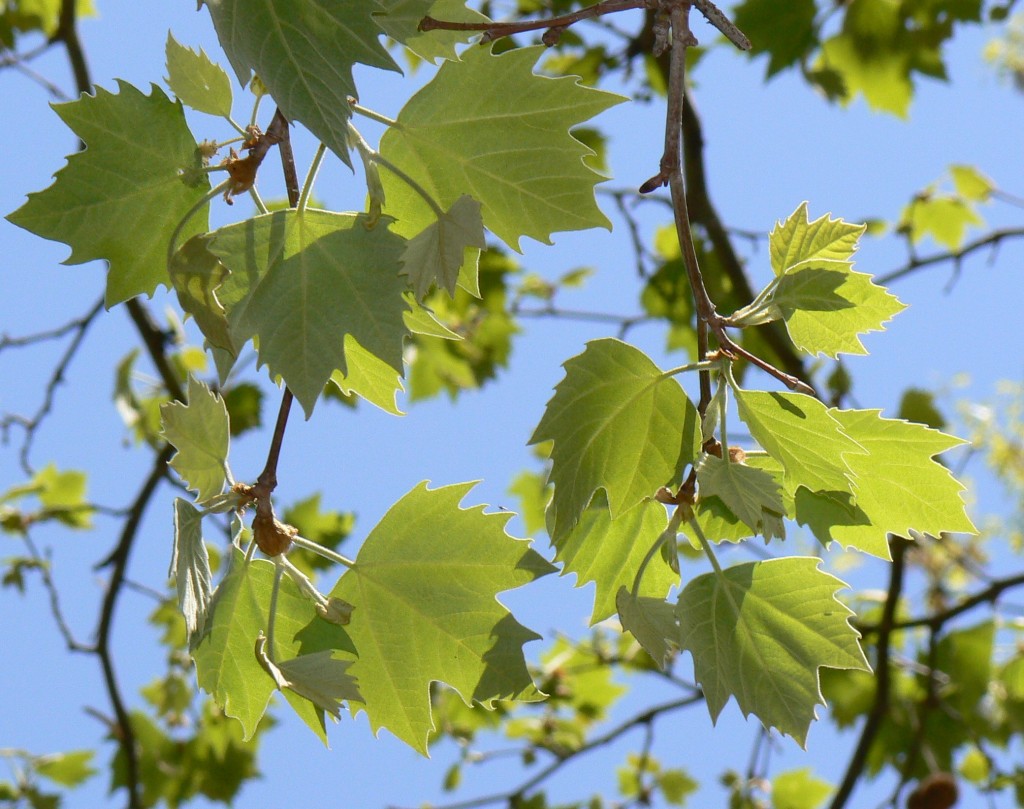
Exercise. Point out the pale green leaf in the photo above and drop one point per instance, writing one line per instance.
(619, 424)
(799, 789)
(609, 552)
(67, 769)
(303, 52)
(190, 565)
(401, 19)
(301, 281)
(199, 430)
(801, 434)
(424, 588)
(879, 70)
(369, 377)
(122, 197)
(197, 81)
(62, 495)
(899, 486)
(760, 631)
(435, 255)
(224, 653)
(652, 621)
(799, 240)
(826, 306)
(971, 184)
(944, 218)
(322, 679)
(421, 320)
(511, 150)
(746, 491)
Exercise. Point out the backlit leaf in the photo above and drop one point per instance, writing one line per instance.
(303, 52)
(798, 240)
(619, 424)
(652, 621)
(746, 491)
(760, 631)
(302, 281)
(190, 565)
(424, 588)
(197, 81)
(435, 254)
(199, 431)
(401, 19)
(456, 136)
(137, 169)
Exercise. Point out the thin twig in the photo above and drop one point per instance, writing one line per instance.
(990, 240)
(497, 30)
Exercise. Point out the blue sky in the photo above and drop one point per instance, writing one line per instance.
(770, 147)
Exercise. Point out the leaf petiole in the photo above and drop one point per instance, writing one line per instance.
(307, 185)
(172, 243)
(368, 113)
(705, 545)
(668, 535)
(320, 550)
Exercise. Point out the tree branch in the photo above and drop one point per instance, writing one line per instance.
(990, 240)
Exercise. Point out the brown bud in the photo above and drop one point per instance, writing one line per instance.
(937, 791)
(272, 536)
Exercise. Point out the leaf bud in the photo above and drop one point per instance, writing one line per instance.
(272, 536)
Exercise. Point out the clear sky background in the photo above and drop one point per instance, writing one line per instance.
(770, 147)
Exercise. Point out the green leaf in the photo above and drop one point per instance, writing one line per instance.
(899, 487)
(609, 551)
(619, 424)
(827, 307)
(760, 631)
(971, 184)
(746, 491)
(424, 586)
(798, 240)
(196, 274)
(301, 281)
(799, 789)
(652, 621)
(303, 52)
(321, 679)
(456, 136)
(197, 81)
(435, 255)
(803, 435)
(368, 376)
(919, 405)
(190, 565)
(199, 430)
(67, 769)
(785, 32)
(122, 197)
(401, 19)
(244, 404)
(944, 218)
(224, 653)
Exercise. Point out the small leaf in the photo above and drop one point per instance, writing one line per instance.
(799, 789)
(199, 430)
(652, 621)
(190, 565)
(67, 769)
(401, 21)
(746, 491)
(369, 377)
(424, 587)
(122, 197)
(971, 184)
(760, 631)
(436, 254)
(321, 679)
(619, 424)
(799, 240)
(944, 218)
(197, 81)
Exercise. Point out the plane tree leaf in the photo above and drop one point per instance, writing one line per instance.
(400, 20)
(746, 491)
(759, 632)
(303, 51)
(652, 621)
(190, 565)
(435, 254)
(196, 80)
(900, 487)
(138, 167)
(225, 652)
(618, 423)
(301, 281)
(200, 431)
(424, 587)
(803, 435)
(799, 240)
(609, 552)
(456, 136)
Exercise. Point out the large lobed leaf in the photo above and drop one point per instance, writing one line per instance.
(304, 281)
(618, 423)
(304, 51)
(760, 631)
(123, 197)
(424, 587)
(510, 150)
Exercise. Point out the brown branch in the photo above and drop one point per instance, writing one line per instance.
(880, 705)
(990, 240)
(497, 30)
(643, 719)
